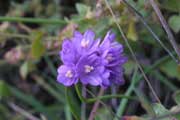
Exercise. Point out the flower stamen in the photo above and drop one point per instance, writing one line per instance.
(84, 43)
(109, 57)
(69, 74)
(88, 68)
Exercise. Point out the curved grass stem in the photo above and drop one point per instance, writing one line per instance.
(79, 94)
(90, 100)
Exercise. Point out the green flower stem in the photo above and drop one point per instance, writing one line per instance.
(109, 97)
(79, 94)
(128, 93)
(67, 113)
(33, 20)
(90, 100)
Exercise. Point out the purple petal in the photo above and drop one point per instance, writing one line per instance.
(77, 34)
(95, 80)
(63, 79)
(89, 35)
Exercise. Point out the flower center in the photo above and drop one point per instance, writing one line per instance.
(88, 68)
(84, 43)
(69, 74)
(109, 57)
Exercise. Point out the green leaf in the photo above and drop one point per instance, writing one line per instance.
(171, 69)
(101, 26)
(161, 110)
(37, 48)
(131, 33)
(73, 105)
(174, 23)
(86, 23)
(82, 9)
(172, 5)
(176, 109)
(25, 68)
(4, 89)
(176, 97)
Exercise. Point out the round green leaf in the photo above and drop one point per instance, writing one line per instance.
(174, 23)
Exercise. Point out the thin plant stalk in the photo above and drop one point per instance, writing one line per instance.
(22, 111)
(68, 113)
(165, 26)
(164, 80)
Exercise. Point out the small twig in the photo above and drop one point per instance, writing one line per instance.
(22, 112)
(166, 27)
(25, 28)
(96, 105)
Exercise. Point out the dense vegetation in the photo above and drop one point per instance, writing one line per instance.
(31, 33)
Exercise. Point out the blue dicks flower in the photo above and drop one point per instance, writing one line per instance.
(91, 61)
(67, 75)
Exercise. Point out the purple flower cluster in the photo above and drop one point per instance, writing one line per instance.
(91, 61)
